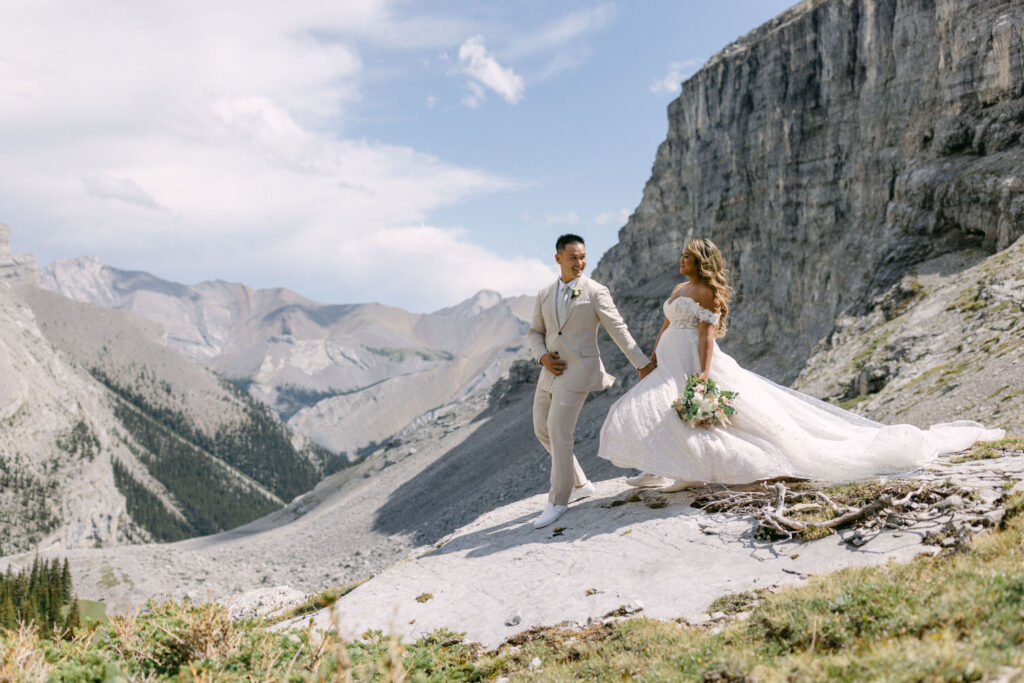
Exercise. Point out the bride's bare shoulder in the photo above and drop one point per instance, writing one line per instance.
(705, 296)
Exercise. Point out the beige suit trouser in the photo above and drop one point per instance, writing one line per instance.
(554, 420)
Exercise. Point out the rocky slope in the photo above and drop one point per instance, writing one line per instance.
(827, 152)
(620, 554)
(347, 376)
(946, 342)
(110, 436)
(438, 475)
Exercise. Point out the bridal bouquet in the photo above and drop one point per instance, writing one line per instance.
(703, 404)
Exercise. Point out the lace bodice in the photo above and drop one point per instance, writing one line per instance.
(686, 312)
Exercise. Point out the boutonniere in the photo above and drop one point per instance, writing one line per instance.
(576, 291)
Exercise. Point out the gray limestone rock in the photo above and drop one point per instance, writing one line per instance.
(262, 602)
(15, 269)
(825, 153)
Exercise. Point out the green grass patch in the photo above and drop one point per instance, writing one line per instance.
(953, 617)
(318, 601)
(851, 403)
(860, 493)
(633, 498)
(731, 603)
(940, 373)
(92, 612)
(968, 300)
(869, 350)
(988, 450)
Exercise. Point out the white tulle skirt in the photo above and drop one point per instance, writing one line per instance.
(776, 432)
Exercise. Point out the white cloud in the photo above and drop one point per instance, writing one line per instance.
(480, 65)
(431, 101)
(676, 73)
(475, 97)
(226, 117)
(606, 217)
(442, 261)
(564, 30)
(122, 189)
(568, 218)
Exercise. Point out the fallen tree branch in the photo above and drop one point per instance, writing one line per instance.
(851, 516)
(776, 507)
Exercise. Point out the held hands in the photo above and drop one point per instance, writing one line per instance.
(555, 365)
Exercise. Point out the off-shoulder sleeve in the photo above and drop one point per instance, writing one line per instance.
(707, 316)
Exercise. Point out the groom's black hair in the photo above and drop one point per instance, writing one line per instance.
(567, 239)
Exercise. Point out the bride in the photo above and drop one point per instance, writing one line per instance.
(776, 431)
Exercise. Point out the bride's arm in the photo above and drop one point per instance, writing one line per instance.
(706, 340)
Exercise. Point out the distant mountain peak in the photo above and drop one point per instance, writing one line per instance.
(474, 305)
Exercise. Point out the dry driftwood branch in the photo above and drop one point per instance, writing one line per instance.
(772, 506)
(905, 500)
(869, 509)
(780, 498)
(836, 508)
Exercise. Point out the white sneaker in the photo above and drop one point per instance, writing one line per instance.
(681, 485)
(644, 480)
(550, 514)
(581, 492)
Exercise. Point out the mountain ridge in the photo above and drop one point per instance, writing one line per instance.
(110, 436)
(317, 364)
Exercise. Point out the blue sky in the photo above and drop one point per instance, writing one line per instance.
(408, 153)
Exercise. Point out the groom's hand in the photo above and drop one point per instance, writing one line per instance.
(555, 365)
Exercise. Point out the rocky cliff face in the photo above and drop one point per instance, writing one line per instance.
(826, 153)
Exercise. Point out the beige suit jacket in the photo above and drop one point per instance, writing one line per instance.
(576, 339)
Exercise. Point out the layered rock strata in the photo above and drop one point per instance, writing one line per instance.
(15, 269)
(827, 152)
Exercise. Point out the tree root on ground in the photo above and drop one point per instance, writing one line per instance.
(800, 509)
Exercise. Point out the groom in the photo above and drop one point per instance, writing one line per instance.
(563, 338)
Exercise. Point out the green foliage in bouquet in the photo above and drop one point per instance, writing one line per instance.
(704, 404)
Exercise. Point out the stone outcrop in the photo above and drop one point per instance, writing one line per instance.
(15, 269)
(943, 344)
(826, 152)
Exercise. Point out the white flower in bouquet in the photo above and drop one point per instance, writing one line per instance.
(703, 404)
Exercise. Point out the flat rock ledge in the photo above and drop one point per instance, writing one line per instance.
(655, 556)
(262, 602)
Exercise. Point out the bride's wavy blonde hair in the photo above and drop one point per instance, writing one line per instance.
(712, 272)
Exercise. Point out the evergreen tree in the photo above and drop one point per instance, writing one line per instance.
(8, 615)
(37, 594)
(65, 579)
(74, 618)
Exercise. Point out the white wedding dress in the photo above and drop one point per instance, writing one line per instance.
(776, 431)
